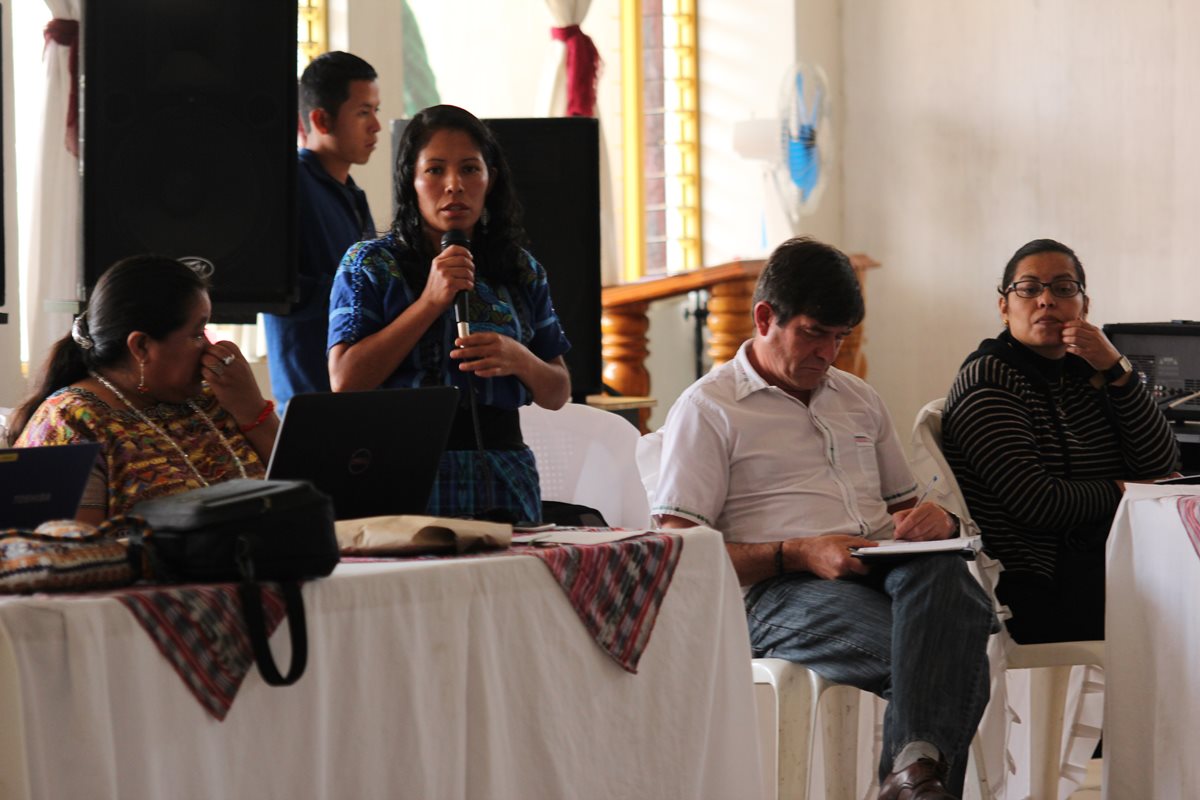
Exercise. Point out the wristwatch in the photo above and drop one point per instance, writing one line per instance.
(1118, 370)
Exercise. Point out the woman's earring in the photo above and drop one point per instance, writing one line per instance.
(483, 218)
(141, 387)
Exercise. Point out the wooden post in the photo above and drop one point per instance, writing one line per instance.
(729, 318)
(623, 345)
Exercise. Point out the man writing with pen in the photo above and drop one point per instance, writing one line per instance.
(798, 464)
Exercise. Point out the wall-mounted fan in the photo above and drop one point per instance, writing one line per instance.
(797, 147)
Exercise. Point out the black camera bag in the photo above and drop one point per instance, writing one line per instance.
(248, 531)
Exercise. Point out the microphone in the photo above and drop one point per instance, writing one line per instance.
(461, 315)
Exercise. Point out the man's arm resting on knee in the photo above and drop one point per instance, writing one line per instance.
(824, 556)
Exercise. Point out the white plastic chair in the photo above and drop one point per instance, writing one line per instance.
(788, 732)
(1051, 663)
(586, 456)
(789, 698)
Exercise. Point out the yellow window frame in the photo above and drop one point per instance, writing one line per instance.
(681, 136)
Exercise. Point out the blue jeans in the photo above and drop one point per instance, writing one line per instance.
(915, 634)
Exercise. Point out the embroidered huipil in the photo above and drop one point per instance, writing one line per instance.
(136, 463)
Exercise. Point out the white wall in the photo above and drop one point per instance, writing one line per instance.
(371, 29)
(972, 128)
(12, 385)
(747, 50)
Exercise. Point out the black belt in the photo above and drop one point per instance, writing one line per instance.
(501, 429)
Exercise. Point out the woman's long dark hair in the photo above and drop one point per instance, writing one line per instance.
(500, 242)
(148, 293)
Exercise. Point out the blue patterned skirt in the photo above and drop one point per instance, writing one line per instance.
(465, 488)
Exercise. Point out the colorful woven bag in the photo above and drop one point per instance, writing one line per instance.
(65, 555)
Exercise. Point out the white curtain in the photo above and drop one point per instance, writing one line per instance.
(54, 229)
(552, 102)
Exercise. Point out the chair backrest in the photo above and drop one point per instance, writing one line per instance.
(586, 456)
(928, 461)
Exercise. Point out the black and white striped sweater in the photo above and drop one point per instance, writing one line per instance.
(1036, 449)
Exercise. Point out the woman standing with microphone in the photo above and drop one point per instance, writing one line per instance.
(457, 232)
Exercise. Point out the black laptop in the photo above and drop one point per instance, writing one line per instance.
(375, 453)
(43, 483)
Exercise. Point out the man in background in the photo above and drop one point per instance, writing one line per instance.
(339, 104)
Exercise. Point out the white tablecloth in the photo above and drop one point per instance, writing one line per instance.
(469, 678)
(1152, 629)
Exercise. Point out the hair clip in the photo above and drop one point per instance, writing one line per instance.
(80, 335)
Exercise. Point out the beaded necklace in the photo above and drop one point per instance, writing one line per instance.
(195, 410)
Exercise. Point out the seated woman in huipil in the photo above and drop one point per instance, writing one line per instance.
(1043, 427)
(172, 410)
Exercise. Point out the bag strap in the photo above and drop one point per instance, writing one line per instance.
(252, 611)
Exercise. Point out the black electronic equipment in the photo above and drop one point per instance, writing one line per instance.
(1166, 357)
(188, 142)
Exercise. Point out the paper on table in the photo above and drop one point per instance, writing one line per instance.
(412, 534)
(575, 537)
(968, 546)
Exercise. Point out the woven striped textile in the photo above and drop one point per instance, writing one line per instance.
(200, 631)
(1189, 513)
(67, 556)
(616, 588)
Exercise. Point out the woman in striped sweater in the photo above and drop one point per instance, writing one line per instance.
(1043, 426)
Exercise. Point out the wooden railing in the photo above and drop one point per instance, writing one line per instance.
(624, 324)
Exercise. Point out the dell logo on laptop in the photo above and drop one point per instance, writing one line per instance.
(360, 461)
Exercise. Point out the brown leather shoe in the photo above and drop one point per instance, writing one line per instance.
(920, 780)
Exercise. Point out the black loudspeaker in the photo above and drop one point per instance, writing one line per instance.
(189, 142)
(555, 166)
(3, 316)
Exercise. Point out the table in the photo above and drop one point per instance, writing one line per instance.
(433, 679)
(1152, 629)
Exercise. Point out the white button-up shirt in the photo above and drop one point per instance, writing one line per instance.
(754, 462)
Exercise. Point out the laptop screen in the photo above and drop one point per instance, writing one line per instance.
(43, 483)
(374, 453)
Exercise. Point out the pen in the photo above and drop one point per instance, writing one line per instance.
(926, 490)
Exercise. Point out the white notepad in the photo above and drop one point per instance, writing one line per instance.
(966, 546)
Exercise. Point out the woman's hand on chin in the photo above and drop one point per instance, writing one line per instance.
(1089, 343)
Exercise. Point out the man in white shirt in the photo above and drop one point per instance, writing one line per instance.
(797, 463)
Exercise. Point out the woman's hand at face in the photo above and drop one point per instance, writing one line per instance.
(452, 271)
(490, 354)
(228, 374)
(1089, 343)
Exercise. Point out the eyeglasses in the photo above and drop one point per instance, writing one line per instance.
(1030, 288)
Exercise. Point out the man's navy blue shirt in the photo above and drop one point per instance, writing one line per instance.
(331, 216)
